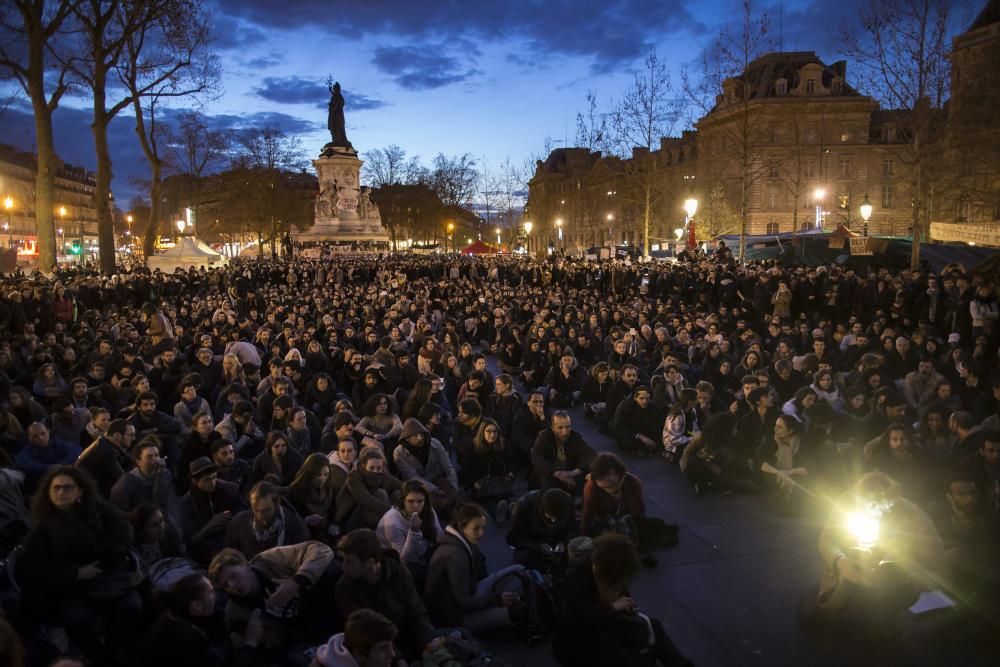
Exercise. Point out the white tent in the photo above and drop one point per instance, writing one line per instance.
(187, 253)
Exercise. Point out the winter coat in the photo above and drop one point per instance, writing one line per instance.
(394, 532)
(544, 454)
(106, 462)
(455, 569)
(438, 465)
(240, 534)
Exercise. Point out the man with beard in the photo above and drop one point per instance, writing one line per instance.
(560, 456)
(267, 524)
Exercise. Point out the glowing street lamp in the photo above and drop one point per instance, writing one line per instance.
(8, 204)
(866, 212)
(451, 235)
(690, 207)
(527, 234)
(559, 224)
(819, 195)
(180, 226)
(498, 236)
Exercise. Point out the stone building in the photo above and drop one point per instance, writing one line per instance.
(73, 208)
(790, 139)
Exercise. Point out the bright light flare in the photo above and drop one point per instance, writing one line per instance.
(864, 528)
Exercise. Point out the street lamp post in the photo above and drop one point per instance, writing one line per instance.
(690, 208)
(559, 224)
(451, 235)
(866, 212)
(498, 238)
(819, 195)
(527, 236)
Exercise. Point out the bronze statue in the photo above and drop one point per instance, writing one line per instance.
(335, 118)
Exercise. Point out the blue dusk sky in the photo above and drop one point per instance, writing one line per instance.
(492, 79)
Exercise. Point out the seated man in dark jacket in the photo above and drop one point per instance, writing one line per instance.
(268, 523)
(561, 457)
(150, 421)
(529, 421)
(542, 523)
(638, 423)
(375, 579)
(108, 458)
(206, 510)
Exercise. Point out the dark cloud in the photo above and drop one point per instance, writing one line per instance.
(291, 90)
(300, 90)
(231, 33)
(263, 62)
(421, 67)
(610, 32)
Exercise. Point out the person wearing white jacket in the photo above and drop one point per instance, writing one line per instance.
(411, 527)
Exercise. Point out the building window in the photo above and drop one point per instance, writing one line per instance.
(845, 167)
(845, 135)
(809, 169)
(772, 226)
(810, 86)
(887, 195)
(889, 134)
(772, 170)
(838, 87)
(781, 86)
(888, 167)
(772, 199)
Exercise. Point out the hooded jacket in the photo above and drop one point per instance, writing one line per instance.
(409, 465)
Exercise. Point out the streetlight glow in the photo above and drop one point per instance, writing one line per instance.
(180, 226)
(690, 206)
(527, 227)
(678, 233)
(8, 203)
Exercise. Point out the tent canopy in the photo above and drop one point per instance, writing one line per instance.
(186, 253)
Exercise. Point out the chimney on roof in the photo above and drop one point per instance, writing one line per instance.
(840, 68)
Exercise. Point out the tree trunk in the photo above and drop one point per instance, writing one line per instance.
(647, 213)
(102, 191)
(153, 226)
(917, 195)
(48, 164)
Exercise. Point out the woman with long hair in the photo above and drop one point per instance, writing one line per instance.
(798, 405)
(380, 424)
(826, 389)
(411, 526)
(783, 458)
(312, 494)
(74, 567)
(429, 356)
(278, 463)
(420, 395)
(321, 394)
(489, 457)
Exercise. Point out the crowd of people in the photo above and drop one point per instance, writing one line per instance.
(296, 461)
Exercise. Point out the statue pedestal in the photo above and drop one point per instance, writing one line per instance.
(343, 211)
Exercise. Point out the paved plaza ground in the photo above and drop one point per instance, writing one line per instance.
(728, 593)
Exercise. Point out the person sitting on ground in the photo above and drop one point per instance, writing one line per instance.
(42, 452)
(711, 462)
(239, 428)
(380, 425)
(190, 404)
(288, 586)
(421, 458)
(375, 579)
(231, 468)
(149, 480)
(785, 461)
(459, 590)
(489, 460)
(196, 444)
(411, 528)
(269, 523)
(637, 422)
(598, 621)
(680, 425)
(278, 463)
(343, 459)
(565, 382)
(528, 423)
(909, 546)
(613, 502)
(190, 633)
(107, 458)
(311, 493)
(560, 456)
(541, 525)
(368, 493)
(155, 539)
(78, 544)
(367, 641)
(206, 509)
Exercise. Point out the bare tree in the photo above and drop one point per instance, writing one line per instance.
(903, 47)
(721, 94)
(592, 131)
(176, 45)
(32, 35)
(647, 112)
(454, 179)
(385, 166)
(106, 28)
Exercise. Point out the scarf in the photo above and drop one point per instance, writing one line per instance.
(276, 529)
(784, 457)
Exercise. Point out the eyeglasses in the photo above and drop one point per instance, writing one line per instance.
(491, 431)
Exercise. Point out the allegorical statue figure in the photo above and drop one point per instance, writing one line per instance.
(335, 118)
